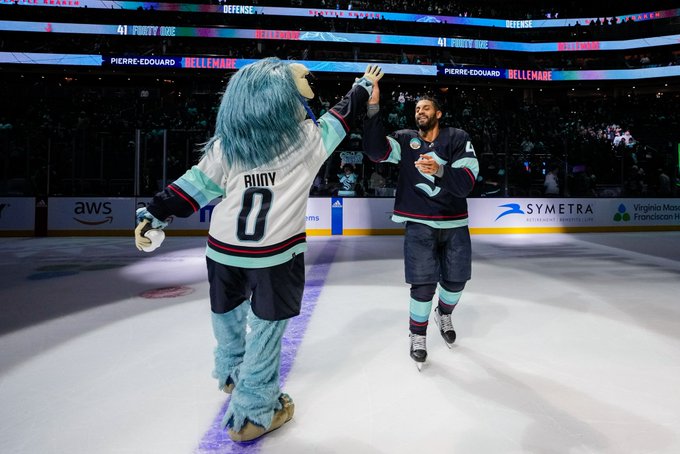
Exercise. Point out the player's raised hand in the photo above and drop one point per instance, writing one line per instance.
(373, 73)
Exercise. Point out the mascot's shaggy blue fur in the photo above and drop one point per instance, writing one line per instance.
(260, 115)
(250, 361)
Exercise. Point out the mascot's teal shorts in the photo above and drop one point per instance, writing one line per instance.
(275, 292)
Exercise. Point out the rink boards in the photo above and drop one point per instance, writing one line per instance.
(65, 216)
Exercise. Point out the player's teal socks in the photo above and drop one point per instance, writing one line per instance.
(420, 314)
(448, 300)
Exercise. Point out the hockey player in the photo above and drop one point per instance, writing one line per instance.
(437, 170)
(261, 161)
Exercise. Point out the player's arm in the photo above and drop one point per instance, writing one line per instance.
(337, 122)
(459, 176)
(376, 144)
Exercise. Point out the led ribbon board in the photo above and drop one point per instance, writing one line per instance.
(222, 63)
(467, 72)
(342, 14)
(352, 38)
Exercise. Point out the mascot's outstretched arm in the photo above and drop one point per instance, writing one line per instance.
(336, 123)
(183, 197)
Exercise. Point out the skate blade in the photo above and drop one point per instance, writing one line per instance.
(420, 366)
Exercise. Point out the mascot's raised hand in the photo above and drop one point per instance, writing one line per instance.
(148, 233)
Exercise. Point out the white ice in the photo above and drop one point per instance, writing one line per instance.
(566, 344)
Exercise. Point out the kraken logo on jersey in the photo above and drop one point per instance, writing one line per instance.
(427, 189)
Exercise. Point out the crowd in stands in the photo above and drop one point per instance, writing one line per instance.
(622, 143)
(55, 132)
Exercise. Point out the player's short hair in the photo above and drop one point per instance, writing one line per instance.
(432, 99)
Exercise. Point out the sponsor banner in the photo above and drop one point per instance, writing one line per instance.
(118, 214)
(363, 216)
(555, 215)
(17, 214)
(91, 214)
(319, 216)
(336, 216)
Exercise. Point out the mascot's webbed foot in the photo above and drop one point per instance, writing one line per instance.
(251, 431)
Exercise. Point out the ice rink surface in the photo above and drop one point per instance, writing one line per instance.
(566, 344)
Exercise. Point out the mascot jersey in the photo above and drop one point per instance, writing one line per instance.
(427, 199)
(261, 219)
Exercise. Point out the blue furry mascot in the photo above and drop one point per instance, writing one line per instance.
(261, 161)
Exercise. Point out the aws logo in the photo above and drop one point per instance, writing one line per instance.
(92, 209)
(512, 208)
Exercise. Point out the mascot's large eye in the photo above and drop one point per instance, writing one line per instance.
(311, 80)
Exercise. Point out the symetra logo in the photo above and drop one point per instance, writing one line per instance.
(93, 208)
(622, 215)
(512, 208)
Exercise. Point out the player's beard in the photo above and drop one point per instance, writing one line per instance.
(425, 126)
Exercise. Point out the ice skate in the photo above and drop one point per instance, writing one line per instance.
(252, 431)
(418, 350)
(443, 321)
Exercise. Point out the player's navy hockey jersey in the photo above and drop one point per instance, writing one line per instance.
(437, 202)
(261, 219)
